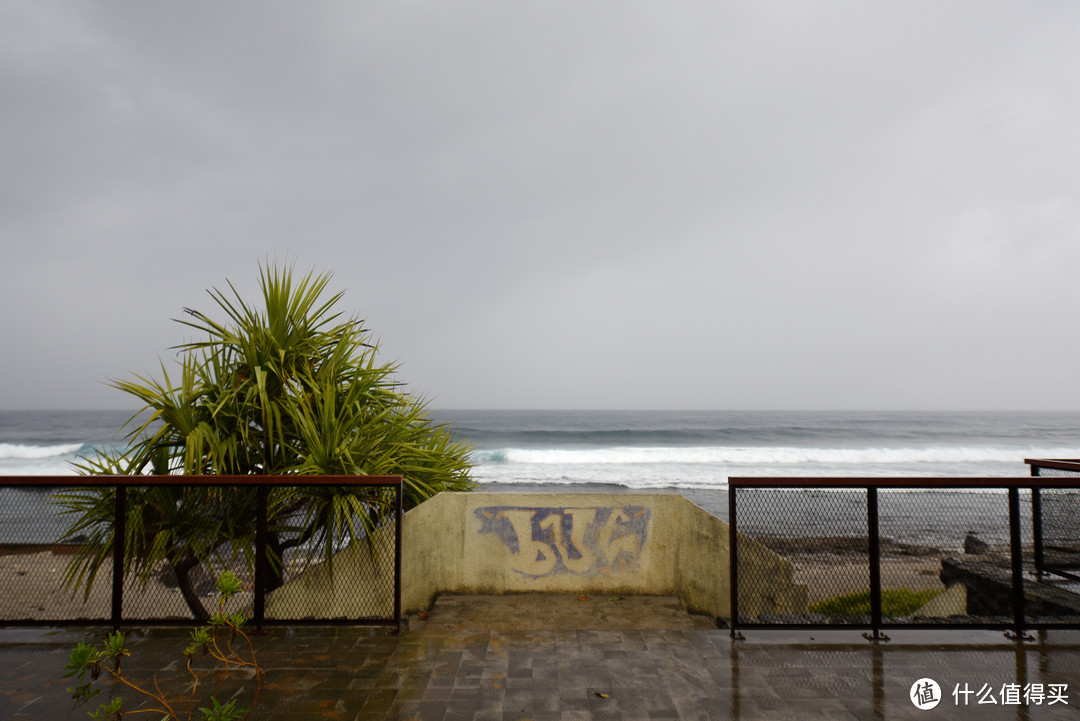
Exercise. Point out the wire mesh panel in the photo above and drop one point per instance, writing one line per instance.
(1055, 542)
(354, 582)
(34, 561)
(328, 550)
(160, 597)
(1055, 467)
(817, 539)
(945, 556)
(1049, 472)
(180, 539)
(949, 552)
(1060, 529)
(1053, 586)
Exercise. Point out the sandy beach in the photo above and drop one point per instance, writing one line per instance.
(835, 566)
(34, 590)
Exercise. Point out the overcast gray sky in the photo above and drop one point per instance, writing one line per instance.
(820, 205)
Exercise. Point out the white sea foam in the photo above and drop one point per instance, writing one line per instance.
(17, 451)
(18, 459)
(685, 467)
(766, 455)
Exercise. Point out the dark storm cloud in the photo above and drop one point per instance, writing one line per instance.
(835, 204)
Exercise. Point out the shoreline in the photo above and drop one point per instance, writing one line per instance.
(32, 579)
(34, 591)
(834, 566)
(936, 518)
(823, 538)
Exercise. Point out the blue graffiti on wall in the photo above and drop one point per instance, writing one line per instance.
(543, 541)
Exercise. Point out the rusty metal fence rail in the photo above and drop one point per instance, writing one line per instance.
(288, 577)
(889, 553)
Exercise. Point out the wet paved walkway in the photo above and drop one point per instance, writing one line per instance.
(465, 663)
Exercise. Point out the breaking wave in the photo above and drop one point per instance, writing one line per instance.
(16, 451)
(765, 455)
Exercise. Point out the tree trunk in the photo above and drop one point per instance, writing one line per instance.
(275, 577)
(187, 589)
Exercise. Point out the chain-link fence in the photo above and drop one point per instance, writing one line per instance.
(1056, 521)
(889, 552)
(315, 550)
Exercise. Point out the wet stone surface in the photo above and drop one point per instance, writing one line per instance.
(453, 666)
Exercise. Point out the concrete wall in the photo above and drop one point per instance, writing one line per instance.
(359, 583)
(618, 543)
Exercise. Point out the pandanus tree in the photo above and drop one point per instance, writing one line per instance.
(290, 386)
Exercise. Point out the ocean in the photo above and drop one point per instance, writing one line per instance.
(700, 450)
(644, 450)
(695, 452)
(689, 452)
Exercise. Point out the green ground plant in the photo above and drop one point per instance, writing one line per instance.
(895, 602)
(285, 386)
(222, 640)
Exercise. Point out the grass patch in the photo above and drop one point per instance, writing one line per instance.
(894, 602)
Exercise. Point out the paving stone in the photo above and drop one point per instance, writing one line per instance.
(435, 672)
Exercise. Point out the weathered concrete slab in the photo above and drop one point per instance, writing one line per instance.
(989, 583)
(555, 543)
(517, 612)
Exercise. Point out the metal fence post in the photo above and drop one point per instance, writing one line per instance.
(875, 560)
(261, 494)
(1037, 530)
(1036, 522)
(399, 514)
(119, 544)
(1016, 550)
(733, 560)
